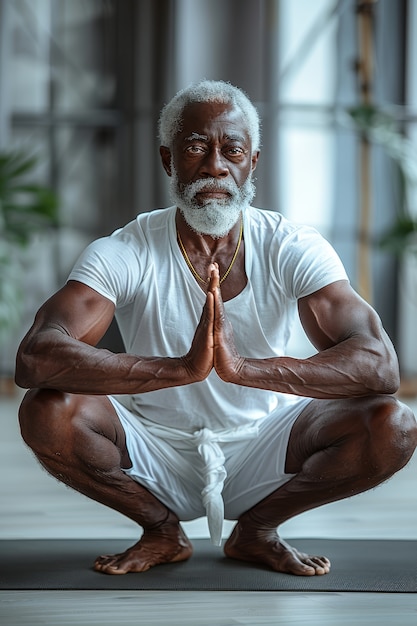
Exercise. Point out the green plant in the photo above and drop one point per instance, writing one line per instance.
(25, 209)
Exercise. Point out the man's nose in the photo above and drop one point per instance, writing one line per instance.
(214, 164)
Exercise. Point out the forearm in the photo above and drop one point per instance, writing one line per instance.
(339, 372)
(72, 366)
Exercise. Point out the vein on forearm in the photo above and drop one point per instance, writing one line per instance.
(339, 372)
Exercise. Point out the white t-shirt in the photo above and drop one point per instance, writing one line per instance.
(140, 268)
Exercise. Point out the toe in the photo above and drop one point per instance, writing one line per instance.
(110, 566)
(305, 570)
(104, 562)
(321, 565)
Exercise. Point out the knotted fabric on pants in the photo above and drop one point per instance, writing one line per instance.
(207, 443)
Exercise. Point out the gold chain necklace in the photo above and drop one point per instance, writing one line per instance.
(192, 268)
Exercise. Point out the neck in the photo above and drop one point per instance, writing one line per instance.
(199, 251)
(206, 244)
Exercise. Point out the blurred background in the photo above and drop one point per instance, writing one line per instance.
(81, 86)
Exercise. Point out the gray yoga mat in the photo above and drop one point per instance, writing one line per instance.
(357, 565)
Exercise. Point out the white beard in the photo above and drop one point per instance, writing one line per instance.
(213, 217)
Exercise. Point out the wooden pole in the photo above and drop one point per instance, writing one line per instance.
(365, 19)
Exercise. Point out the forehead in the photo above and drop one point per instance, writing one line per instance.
(213, 119)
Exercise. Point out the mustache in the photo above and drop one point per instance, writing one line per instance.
(210, 184)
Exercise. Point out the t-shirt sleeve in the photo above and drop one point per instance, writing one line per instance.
(110, 267)
(307, 262)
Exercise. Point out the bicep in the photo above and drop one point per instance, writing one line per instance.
(77, 311)
(336, 313)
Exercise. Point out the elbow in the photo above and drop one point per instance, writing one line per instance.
(24, 375)
(387, 377)
(27, 370)
(389, 385)
(21, 380)
(395, 380)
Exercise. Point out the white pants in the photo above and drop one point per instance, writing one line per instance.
(249, 466)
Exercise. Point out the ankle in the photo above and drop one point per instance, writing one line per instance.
(170, 520)
(253, 521)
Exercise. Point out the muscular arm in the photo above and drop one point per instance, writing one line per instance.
(58, 352)
(355, 356)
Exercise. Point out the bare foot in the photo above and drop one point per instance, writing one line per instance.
(268, 548)
(167, 544)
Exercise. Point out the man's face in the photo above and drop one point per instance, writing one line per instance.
(211, 167)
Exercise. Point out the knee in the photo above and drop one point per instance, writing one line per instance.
(391, 432)
(43, 418)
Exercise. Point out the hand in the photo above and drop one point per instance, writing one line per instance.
(200, 358)
(227, 361)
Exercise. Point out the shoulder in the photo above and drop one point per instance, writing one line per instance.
(300, 259)
(114, 265)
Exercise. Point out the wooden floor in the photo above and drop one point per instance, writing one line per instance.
(34, 505)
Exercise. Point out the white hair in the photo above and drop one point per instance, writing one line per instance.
(171, 118)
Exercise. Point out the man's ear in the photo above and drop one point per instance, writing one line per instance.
(166, 159)
(255, 157)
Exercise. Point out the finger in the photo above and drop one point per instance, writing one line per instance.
(214, 277)
(218, 300)
(209, 308)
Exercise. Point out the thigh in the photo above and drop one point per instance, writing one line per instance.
(50, 418)
(328, 424)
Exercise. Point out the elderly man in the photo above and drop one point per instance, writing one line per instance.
(205, 414)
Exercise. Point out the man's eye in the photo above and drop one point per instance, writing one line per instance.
(195, 149)
(236, 151)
